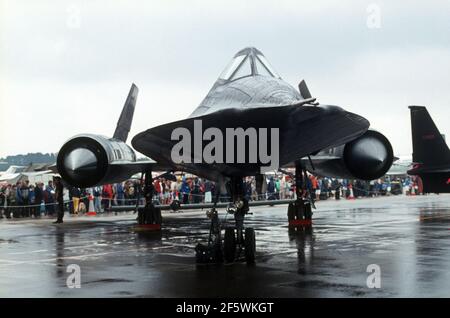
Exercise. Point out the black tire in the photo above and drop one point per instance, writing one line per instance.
(250, 245)
(308, 212)
(300, 210)
(291, 212)
(158, 216)
(229, 245)
(201, 256)
(218, 255)
(140, 218)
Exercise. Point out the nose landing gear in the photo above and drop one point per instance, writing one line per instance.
(238, 241)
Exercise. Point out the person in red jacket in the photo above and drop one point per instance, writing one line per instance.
(158, 190)
(314, 186)
(107, 196)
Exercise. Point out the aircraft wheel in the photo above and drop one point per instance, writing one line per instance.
(229, 246)
(308, 212)
(141, 216)
(157, 215)
(291, 212)
(218, 255)
(250, 245)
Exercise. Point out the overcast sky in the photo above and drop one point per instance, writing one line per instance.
(66, 66)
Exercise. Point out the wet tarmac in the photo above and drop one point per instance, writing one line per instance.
(407, 237)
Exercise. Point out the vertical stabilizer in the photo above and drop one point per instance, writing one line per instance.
(126, 117)
(429, 147)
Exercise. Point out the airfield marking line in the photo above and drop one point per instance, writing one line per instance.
(27, 252)
(12, 262)
(9, 262)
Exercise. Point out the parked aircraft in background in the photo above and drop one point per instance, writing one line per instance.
(400, 166)
(431, 155)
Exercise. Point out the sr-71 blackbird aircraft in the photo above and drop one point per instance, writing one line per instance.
(266, 124)
(431, 156)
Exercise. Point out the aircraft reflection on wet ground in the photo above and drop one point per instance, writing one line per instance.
(407, 237)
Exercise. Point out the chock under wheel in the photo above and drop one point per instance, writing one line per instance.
(300, 222)
(148, 227)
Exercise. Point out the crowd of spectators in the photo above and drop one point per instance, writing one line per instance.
(23, 199)
(324, 188)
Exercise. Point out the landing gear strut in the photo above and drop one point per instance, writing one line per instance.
(300, 211)
(149, 217)
(237, 239)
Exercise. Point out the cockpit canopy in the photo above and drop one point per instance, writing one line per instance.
(248, 62)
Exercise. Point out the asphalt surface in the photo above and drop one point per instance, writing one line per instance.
(407, 237)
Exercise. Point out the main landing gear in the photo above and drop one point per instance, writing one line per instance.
(300, 211)
(238, 242)
(149, 217)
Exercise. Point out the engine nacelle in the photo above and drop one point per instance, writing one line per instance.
(368, 157)
(89, 160)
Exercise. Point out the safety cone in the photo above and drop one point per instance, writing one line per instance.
(413, 189)
(351, 196)
(91, 210)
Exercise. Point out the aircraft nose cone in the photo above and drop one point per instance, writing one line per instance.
(80, 161)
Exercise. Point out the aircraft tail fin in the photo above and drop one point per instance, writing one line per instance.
(429, 146)
(126, 117)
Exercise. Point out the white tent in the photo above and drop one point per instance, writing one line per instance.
(33, 177)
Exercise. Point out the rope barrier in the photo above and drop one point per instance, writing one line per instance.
(38, 205)
(258, 197)
(174, 196)
(370, 192)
